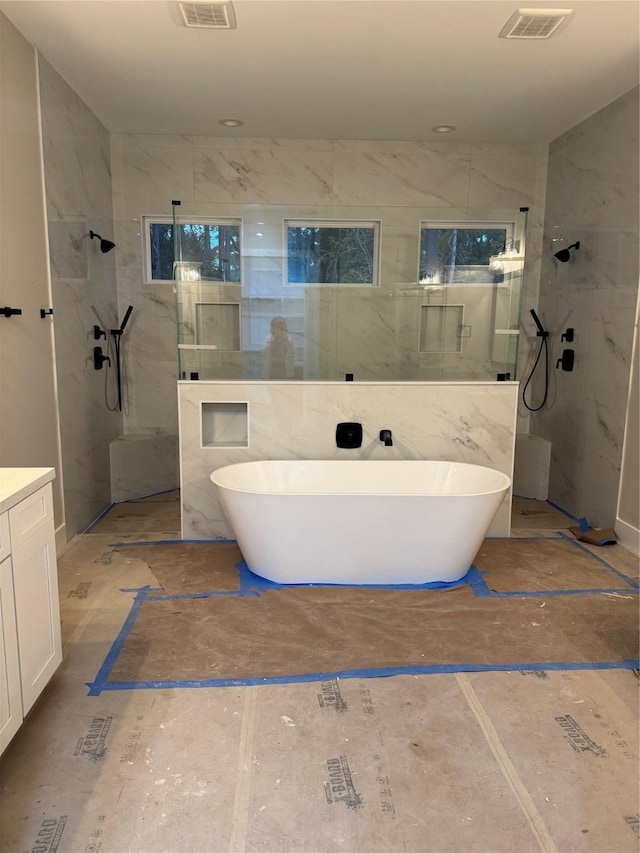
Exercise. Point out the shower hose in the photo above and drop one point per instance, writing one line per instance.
(543, 335)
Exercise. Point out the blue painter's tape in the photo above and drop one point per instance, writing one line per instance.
(97, 519)
(563, 511)
(478, 583)
(251, 583)
(632, 583)
(96, 687)
(383, 672)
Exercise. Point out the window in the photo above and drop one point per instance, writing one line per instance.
(213, 243)
(332, 252)
(461, 252)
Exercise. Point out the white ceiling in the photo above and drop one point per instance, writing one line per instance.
(337, 69)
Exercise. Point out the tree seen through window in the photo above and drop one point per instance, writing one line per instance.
(216, 246)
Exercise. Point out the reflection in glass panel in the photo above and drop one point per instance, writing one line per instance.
(331, 253)
(305, 308)
(461, 252)
(215, 245)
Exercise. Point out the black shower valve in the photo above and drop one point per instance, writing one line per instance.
(99, 358)
(99, 333)
(349, 435)
(566, 362)
(567, 336)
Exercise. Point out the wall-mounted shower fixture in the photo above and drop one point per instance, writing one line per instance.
(117, 334)
(105, 245)
(99, 358)
(349, 435)
(10, 312)
(45, 311)
(567, 336)
(543, 334)
(565, 254)
(99, 333)
(566, 362)
(386, 437)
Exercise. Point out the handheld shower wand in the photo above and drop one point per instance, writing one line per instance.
(117, 334)
(541, 333)
(125, 318)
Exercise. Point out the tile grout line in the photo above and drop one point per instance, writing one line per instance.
(533, 816)
(240, 817)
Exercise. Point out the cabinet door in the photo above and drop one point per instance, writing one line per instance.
(35, 583)
(10, 694)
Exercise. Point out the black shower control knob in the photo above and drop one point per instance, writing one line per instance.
(349, 435)
(10, 312)
(99, 358)
(566, 362)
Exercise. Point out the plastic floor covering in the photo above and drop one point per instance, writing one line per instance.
(153, 736)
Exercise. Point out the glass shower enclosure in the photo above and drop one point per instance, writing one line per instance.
(279, 293)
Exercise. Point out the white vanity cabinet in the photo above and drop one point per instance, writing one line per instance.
(30, 637)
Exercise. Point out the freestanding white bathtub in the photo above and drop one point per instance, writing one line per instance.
(359, 522)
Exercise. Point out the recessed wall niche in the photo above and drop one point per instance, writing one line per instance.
(218, 325)
(225, 424)
(440, 328)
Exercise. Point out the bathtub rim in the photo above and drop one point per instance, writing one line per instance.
(502, 482)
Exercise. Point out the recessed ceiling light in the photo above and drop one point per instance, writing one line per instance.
(231, 122)
(443, 128)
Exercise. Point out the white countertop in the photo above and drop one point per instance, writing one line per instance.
(18, 483)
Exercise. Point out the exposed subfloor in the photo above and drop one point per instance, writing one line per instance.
(498, 756)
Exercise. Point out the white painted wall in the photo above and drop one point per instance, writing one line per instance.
(29, 435)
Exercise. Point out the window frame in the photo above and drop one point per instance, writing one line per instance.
(149, 219)
(374, 224)
(509, 227)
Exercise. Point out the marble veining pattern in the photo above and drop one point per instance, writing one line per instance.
(467, 423)
(77, 176)
(404, 181)
(262, 176)
(592, 196)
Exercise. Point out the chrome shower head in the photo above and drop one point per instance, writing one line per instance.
(105, 245)
(565, 254)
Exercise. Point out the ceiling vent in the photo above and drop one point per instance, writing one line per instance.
(218, 16)
(535, 23)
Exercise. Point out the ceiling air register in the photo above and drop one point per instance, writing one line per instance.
(218, 16)
(535, 23)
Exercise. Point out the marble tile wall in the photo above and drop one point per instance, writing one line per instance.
(220, 176)
(79, 199)
(592, 196)
(464, 422)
